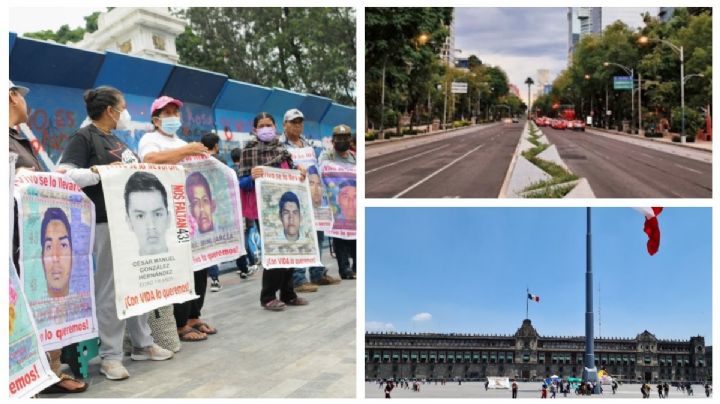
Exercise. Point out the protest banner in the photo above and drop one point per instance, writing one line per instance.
(56, 228)
(287, 225)
(305, 157)
(215, 214)
(29, 371)
(149, 236)
(339, 180)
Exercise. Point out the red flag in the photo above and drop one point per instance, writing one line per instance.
(652, 228)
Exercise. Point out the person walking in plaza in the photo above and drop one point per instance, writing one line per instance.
(708, 389)
(666, 388)
(91, 146)
(487, 383)
(344, 249)
(614, 386)
(389, 386)
(689, 390)
(543, 391)
(163, 146)
(267, 151)
(514, 389)
(553, 390)
(660, 390)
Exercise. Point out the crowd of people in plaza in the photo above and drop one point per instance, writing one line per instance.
(96, 144)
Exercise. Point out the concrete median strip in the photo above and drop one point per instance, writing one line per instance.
(538, 171)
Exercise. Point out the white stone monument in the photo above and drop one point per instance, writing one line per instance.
(147, 32)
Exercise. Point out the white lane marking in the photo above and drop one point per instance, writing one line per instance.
(405, 159)
(688, 168)
(437, 172)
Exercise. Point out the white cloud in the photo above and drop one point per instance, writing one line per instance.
(375, 326)
(422, 317)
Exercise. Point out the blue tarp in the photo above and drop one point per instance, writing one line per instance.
(58, 75)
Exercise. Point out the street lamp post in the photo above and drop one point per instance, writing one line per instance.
(631, 72)
(680, 50)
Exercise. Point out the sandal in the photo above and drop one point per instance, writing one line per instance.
(274, 305)
(184, 336)
(208, 330)
(58, 389)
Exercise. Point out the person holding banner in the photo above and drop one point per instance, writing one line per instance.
(27, 159)
(164, 147)
(211, 141)
(346, 199)
(293, 139)
(267, 151)
(91, 146)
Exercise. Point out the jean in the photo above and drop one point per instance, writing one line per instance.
(316, 273)
(214, 272)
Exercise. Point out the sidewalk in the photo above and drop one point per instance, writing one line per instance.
(306, 351)
(698, 144)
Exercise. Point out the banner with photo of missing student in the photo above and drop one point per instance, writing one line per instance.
(56, 229)
(149, 235)
(305, 157)
(287, 226)
(214, 212)
(29, 371)
(341, 186)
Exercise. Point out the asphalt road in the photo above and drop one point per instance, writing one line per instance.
(618, 169)
(471, 165)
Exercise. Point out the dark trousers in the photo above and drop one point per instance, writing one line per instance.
(344, 250)
(191, 309)
(277, 279)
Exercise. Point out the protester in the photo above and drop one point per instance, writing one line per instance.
(92, 146)
(163, 146)
(344, 249)
(247, 261)
(293, 137)
(388, 388)
(660, 390)
(267, 151)
(514, 389)
(27, 159)
(543, 392)
(212, 142)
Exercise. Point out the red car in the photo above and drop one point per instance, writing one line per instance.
(542, 121)
(558, 124)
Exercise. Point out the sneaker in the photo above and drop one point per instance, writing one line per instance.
(215, 285)
(327, 280)
(113, 369)
(298, 301)
(306, 288)
(153, 352)
(243, 275)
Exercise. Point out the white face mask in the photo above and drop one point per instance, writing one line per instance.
(123, 122)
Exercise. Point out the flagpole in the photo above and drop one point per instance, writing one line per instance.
(527, 298)
(589, 371)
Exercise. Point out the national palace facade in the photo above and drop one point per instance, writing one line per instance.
(526, 355)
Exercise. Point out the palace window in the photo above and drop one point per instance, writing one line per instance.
(526, 357)
(485, 357)
(386, 357)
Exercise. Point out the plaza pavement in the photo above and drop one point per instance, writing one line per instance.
(306, 351)
(525, 390)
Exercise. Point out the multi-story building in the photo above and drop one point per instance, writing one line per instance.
(526, 355)
(582, 21)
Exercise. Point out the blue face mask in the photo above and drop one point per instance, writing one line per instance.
(266, 134)
(170, 125)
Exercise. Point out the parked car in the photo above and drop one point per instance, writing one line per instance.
(515, 119)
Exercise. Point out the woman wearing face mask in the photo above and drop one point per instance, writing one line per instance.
(91, 146)
(267, 151)
(163, 146)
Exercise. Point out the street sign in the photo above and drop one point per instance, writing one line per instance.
(622, 83)
(458, 87)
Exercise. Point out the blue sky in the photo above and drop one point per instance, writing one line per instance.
(467, 269)
(522, 40)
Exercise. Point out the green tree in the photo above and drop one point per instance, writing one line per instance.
(64, 34)
(309, 50)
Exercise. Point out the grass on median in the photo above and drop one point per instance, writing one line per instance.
(558, 173)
